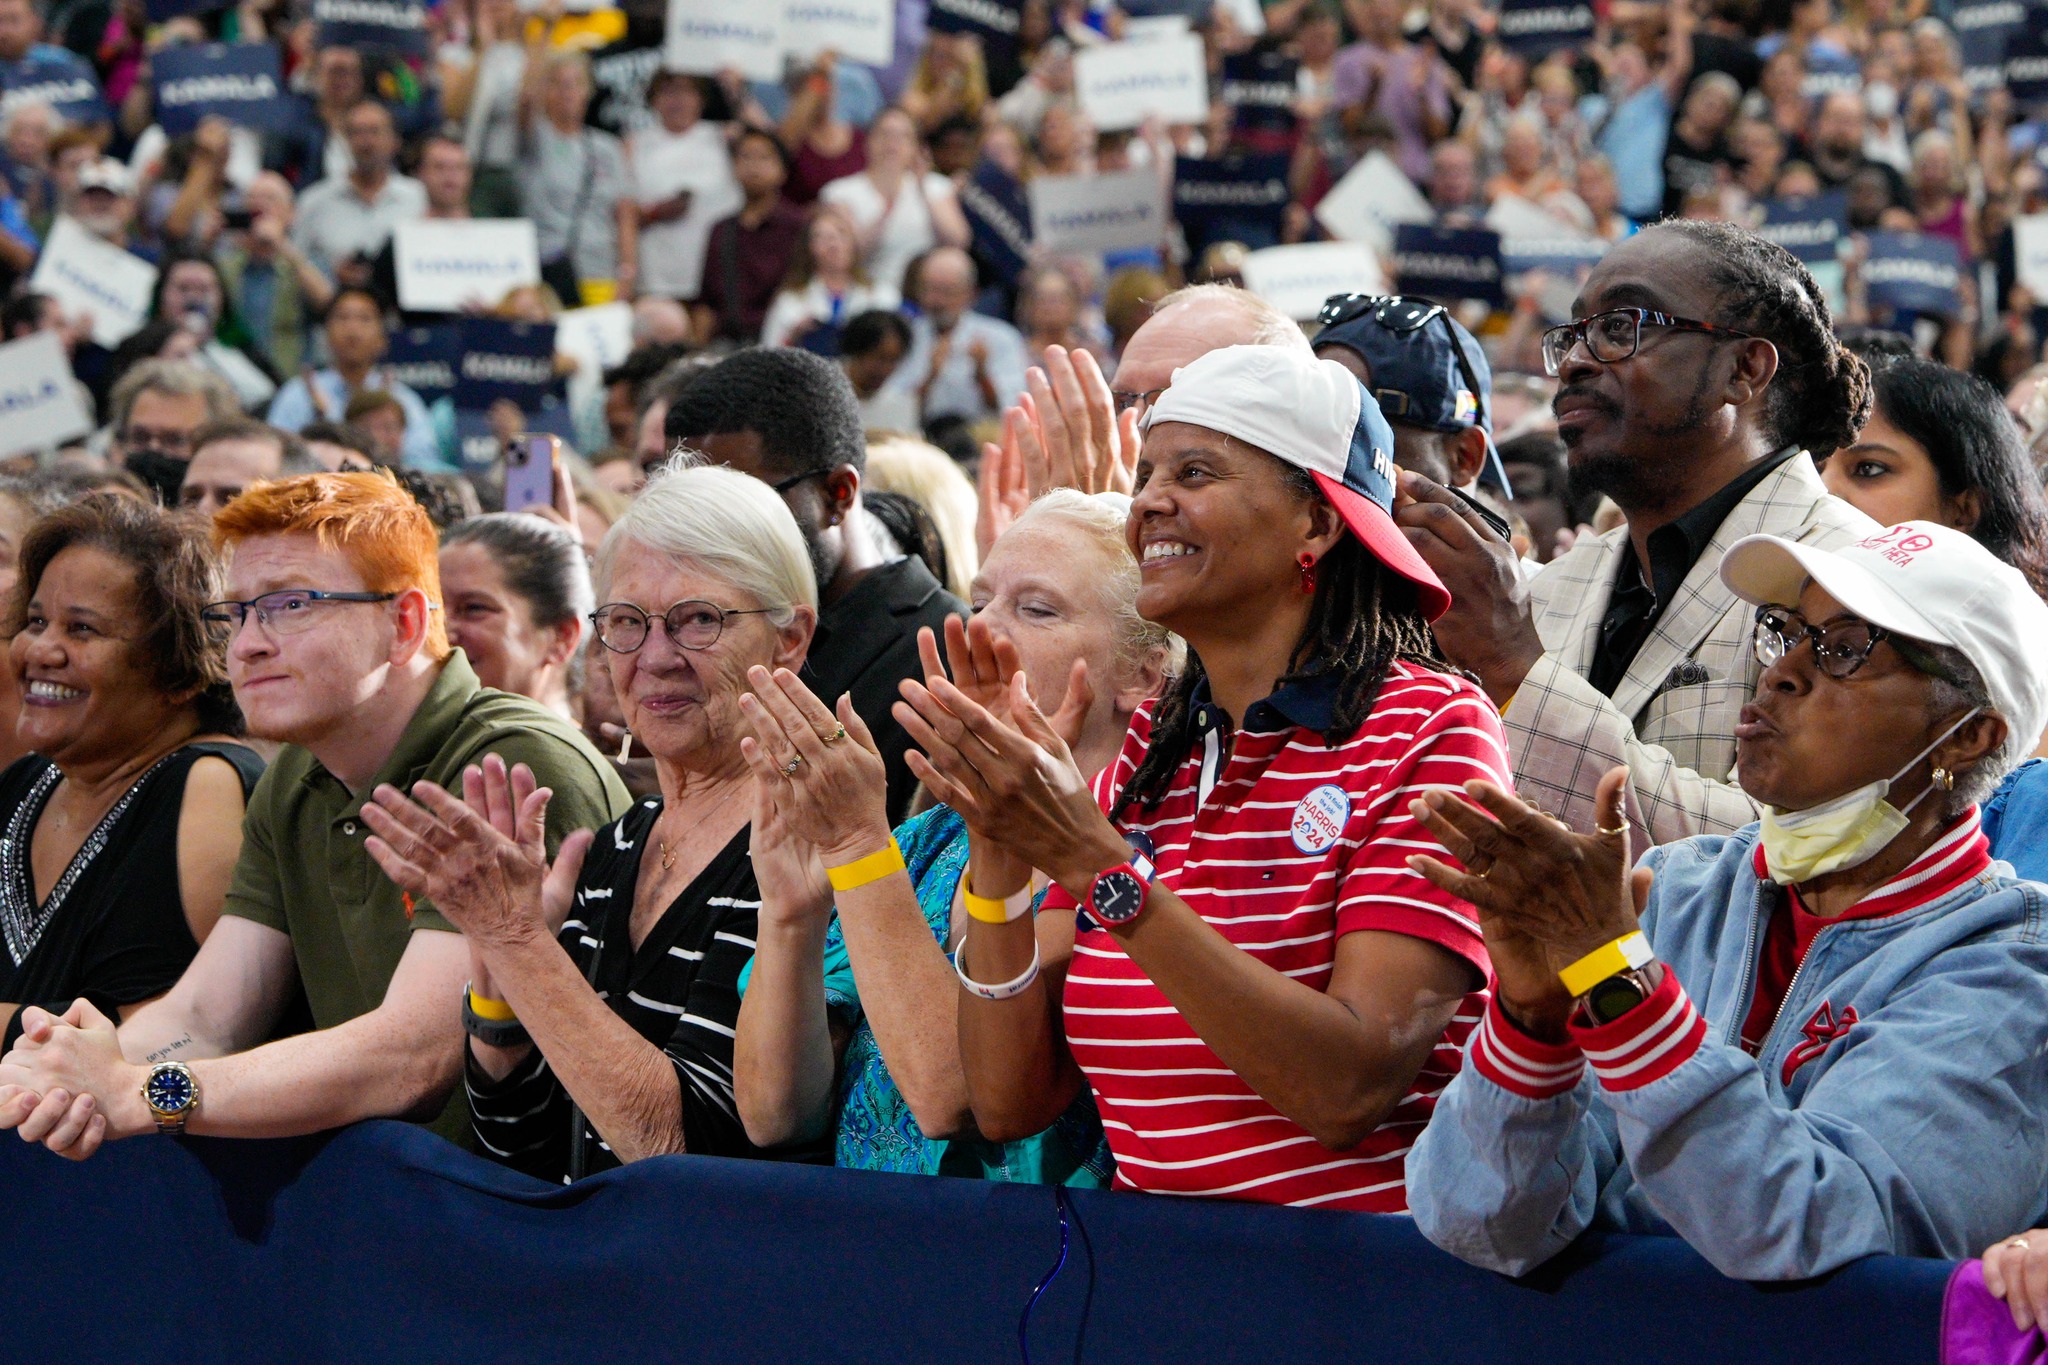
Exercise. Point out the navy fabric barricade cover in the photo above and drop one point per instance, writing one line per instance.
(1912, 274)
(1447, 264)
(1533, 29)
(1236, 199)
(1810, 228)
(241, 82)
(384, 1244)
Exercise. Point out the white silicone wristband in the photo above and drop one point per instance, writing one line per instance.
(1004, 991)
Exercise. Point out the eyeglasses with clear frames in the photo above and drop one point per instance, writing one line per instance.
(1125, 400)
(286, 612)
(690, 624)
(1616, 334)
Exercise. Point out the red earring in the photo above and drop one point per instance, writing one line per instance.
(1308, 573)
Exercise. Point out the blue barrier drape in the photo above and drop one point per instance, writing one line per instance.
(384, 1244)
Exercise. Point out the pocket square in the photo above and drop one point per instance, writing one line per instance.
(1687, 673)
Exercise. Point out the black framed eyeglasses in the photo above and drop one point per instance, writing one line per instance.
(286, 612)
(1125, 400)
(1839, 647)
(793, 480)
(1613, 336)
(690, 624)
(1403, 314)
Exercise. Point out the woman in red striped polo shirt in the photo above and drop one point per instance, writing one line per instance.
(1263, 997)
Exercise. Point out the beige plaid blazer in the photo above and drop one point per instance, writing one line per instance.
(1672, 719)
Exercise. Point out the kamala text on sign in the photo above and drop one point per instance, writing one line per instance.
(707, 36)
(1122, 211)
(88, 274)
(446, 266)
(39, 405)
(1120, 85)
(858, 30)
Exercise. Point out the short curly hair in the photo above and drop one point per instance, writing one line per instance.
(177, 575)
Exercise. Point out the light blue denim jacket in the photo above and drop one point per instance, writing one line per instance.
(1923, 1131)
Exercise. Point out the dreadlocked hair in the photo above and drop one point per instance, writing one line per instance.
(1362, 620)
(1821, 395)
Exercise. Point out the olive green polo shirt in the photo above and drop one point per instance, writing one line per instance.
(303, 869)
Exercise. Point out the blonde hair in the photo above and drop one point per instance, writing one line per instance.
(1102, 516)
(918, 470)
(733, 526)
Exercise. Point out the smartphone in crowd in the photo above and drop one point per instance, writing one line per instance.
(1486, 514)
(530, 471)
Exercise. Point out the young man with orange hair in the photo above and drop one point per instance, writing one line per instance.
(336, 647)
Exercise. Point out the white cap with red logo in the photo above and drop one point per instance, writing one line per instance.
(1929, 583)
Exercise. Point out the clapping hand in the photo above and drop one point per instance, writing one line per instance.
(482, 858)
(824, 770)
(1074, 436)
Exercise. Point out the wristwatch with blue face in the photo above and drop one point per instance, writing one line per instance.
(172, 1093)
(1118, 895)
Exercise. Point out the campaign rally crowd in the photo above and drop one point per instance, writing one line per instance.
(1430, 609)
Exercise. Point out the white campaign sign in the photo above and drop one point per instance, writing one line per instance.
(1120, 85)
(1373, 199)
(83, 271)
(2030, 253)
(1125, 210)
(858, 30)
(39, 407)
(1296, 279)
(707, 36)
(598, 338)
(444, 265)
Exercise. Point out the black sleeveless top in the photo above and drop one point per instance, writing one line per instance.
(113, 927)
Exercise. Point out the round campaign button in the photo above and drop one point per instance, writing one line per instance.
(1319, 818)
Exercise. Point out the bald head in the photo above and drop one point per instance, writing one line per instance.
(945, 286)
(1192, 322)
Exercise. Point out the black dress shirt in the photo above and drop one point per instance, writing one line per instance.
(1638, 602)
(866, 644)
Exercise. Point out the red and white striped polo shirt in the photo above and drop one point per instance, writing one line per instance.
(1664, 1032)
(1283, 847)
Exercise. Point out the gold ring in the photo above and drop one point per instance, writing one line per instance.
(2017, 1243)
(836, 735)
(789, 768)
(1622, 828)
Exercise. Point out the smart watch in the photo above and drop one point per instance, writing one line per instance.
(1620, 993)
(172, 1093)
(1116, 896)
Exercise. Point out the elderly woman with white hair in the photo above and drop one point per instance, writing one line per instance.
(607, 985)
(850, 1022)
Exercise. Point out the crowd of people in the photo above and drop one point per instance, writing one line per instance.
(1553, 763)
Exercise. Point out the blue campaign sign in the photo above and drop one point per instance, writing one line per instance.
(995, 22)
(56, 77)
(1237, 199)
(1983, 28)
(510, 360)
(375, 25)
(2026, 57)
(1449, 264)
(478, 444)
(160, 10)
(1906, 272)
(999, 213)
(1533, 29)
(426, 359)
(1811, 228)
(240, 82)
(1260, 86)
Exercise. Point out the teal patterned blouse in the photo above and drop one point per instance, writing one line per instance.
(876, 1129)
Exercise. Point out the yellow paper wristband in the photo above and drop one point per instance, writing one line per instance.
(1610, 959)
(881, 863)
(497, 1011)
(987, 909)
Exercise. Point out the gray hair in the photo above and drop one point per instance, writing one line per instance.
(1102, 517)
(1958, 687)
(1270, 326)
(179, 378)
(727, 523)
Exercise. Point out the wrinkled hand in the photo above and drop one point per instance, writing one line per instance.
(835, 797)
(1489, 629)
(1001, 493)
(1072, 435)
(1014, 782)
(1546, 896)
(65, 1077)
(481, 859)
(787, 867)
(2016, 1270)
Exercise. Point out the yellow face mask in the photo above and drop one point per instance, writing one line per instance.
(1851, 829)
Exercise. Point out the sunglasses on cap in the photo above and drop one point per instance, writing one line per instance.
(1403, 314)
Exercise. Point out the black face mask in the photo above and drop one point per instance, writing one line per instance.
(163, 473)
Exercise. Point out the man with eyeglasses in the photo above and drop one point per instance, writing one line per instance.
(789, 418)
(157, 407)
(1699, 381)
(335, 647)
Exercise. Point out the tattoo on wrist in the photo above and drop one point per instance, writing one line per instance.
(169, 1049)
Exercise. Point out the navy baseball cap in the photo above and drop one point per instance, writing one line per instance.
(1427, 370)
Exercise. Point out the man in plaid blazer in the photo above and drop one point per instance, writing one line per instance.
(1701, 369)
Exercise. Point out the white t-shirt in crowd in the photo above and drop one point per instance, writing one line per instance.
(491, 133)
(906, 223)
(791, 309)
(664, 164)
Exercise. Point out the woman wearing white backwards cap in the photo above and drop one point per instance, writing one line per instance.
(1261, 995)
(1817, 1038)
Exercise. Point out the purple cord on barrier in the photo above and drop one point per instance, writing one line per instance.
(1059, 1196)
